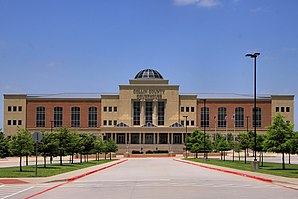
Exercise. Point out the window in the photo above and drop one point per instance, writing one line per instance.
(92, 117)
(58, 116)
(14, 108)
(192, 109)
(8, 122)
(177, 138)
(110, 122)
(115, 122)
(75, 116)
(277, 109)
(110, 109)
(115, 109)
(258, 117)
(182, 122)
(9, 108)
(149, 112)
(20, 109)
(282, 109)
(239, 117)
(163, 138)
(192, 123)
(222, 113)
(161, 113)
(205, 117)
(136, 113)
(288, 109)
(187, 109)
(105, 123)
(40, 116)
(135, 138)
(120, 138)
(187, 122)
(20, 122)
(14, 122)
(182, 109)
(105, 109)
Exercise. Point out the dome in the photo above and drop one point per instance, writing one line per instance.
(148, 74)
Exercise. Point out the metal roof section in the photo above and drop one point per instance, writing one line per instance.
(231, 96)
(65, 96)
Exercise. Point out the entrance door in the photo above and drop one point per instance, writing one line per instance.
(149, 138)
(177, 138)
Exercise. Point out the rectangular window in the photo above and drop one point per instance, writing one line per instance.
(14, 108)
(182, 109)
(282, 109)
(115, 122)
(161, 113)
(9, 108)
(40, 116)
(120, 138)
(8, 122)
(192, 109)
(187, 109)
(110, 109)
(20, 109)
(110, 122)
(92, 117)
(187, 122)
(14, 122)
(288, 109)
(149, 112)
(105, 123)
(115, 109)
(182, 122)
(136, 113)
(20, 122)
(222, 117)
(277, 109)
(192, 123)
(239, 117)
(105, 109)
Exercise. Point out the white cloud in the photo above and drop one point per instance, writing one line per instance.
(201, 3)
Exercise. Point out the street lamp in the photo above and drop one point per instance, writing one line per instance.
(205, 154)
(185, 134)
(254, 56)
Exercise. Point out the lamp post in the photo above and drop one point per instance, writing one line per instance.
(205, 154)
(247, 123)
(254, 56)
(185, 135)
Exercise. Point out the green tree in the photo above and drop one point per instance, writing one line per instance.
(244, 141)
(49, 145)
(4, 147)
(21, 144)
(293, 144)
(88, 144)
(75, 144)
(98, 147)
(195, 142)
(278, 136)
(237, 148)
(63, 137)
(109, 147)
(221, 145)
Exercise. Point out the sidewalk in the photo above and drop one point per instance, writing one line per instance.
(291, 183)
(69, 176)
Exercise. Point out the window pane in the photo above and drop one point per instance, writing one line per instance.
(149, 112)
(205, 117)
(222, 113)
(239, 117)
(92, 117)
(161, 113)
(40, 117)
(136, 113)
(58, 116)
(75, 117)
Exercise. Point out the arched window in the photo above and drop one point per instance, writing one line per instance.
(40, 116)
(92, 117)
(205, 117)
(75, 116)
(258, 117)
(58, 116)
(222, 112)
(239, 117)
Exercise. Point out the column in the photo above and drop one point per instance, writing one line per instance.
(154, 115)
(143, 138)
(154, 138)
(142, 115)
(140, 138)
(169, 142)
(129, 140)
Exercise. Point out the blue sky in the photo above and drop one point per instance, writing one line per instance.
(54, 46)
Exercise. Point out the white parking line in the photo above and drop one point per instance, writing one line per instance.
(17, 192)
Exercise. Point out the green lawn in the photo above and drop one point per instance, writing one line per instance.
(291, 170)
(50, 170)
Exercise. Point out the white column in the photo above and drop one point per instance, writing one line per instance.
(142, 116)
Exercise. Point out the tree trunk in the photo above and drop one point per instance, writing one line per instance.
(21, 163)
(289, 158)
(233, 155)
(87, 157)
(224, 155)
(51, 160)
(26, 160)
(44, 161)
(72, 158)
(60, 160)
(244, 156)
(262, 158)
(110, 155)
(239, 155)
(105, 156)
(81, 158)
(283, 160)
(196, 155)
(221, 155)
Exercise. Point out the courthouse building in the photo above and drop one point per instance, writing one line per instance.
(148, 113)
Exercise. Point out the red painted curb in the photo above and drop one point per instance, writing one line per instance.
(74, 178)
(12, 181)
(227, 171)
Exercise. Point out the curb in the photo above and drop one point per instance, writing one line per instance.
(228, 171)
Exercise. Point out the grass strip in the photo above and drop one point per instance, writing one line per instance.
(50, 170)
(291, 170)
